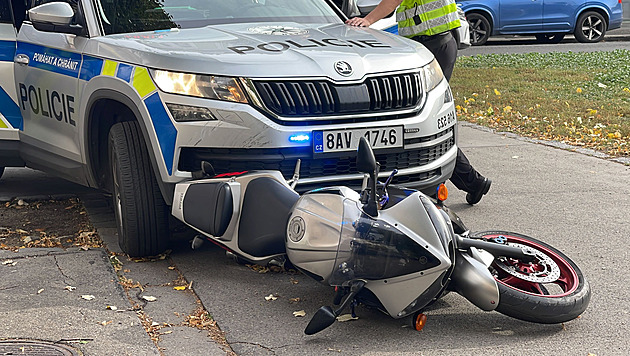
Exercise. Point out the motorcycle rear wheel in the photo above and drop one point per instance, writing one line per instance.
(550, 291)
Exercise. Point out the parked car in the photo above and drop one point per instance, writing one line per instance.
(548, 20)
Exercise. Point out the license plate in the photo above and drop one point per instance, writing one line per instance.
(348, 140)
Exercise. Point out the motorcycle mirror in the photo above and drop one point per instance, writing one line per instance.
(324, 318)
(366, 162)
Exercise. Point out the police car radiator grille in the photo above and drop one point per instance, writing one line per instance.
(226, 160)
(323, 98)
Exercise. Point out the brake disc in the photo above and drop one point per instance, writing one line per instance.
(545, 271)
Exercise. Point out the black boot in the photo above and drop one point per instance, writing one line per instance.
(474, 197)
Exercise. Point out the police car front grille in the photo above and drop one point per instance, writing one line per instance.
(308, 98)
(226, 160)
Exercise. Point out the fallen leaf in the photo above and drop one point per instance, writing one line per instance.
(180, 287)
(88, 297)
(346, 317)
(578, 90)
(602, 85)
(111, 307)
(294, 300)
(9, 262)
(40, 291)
(271, 297)
(149, 298)
(69, 288)
(167, 332)
(171, 267)
(299, 313)
(106, 322)
(514, 157)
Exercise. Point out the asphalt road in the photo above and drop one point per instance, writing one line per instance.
(615, 39)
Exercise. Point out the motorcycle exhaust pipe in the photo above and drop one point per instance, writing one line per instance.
(522, 254)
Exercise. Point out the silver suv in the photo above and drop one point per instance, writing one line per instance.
(130, 96)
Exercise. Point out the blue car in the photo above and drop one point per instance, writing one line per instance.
(548, 20)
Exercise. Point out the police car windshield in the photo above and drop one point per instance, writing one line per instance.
(125, 16)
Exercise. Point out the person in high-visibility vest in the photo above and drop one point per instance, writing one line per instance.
(430, 22)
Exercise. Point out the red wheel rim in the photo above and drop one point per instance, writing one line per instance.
(566, 283)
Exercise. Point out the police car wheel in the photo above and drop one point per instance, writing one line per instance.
(141, 213)
(1, 171)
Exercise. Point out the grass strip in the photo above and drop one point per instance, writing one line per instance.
(582, 99)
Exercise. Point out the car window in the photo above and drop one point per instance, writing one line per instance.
(124, 16)
(5, 12)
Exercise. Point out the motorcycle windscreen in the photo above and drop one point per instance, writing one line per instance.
(372, 249)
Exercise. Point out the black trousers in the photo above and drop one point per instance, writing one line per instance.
(444, 48)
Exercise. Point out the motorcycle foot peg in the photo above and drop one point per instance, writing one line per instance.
(197, 242)
(418, 321)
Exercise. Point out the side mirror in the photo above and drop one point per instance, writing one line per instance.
(366, 162)
(54, 17)
(324, 318)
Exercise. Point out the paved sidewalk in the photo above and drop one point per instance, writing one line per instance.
(73, 297)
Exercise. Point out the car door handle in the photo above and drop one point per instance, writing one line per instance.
(21, 59)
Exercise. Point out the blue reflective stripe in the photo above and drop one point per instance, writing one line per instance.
(7, 51)
(393, 29)
(124, 72)
(10, 110)
(164, 128)
(90, 68)
(51, 59)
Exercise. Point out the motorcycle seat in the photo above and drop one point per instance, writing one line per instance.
(209, 207)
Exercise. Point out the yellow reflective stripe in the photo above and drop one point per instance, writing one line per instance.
(109, 68)
(3, 125)
(142, 81)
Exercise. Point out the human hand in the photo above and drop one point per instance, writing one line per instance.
(358, 21)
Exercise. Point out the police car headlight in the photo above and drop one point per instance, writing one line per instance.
(203, 86)
(432, 75)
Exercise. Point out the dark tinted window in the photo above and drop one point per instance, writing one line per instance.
(5, 12)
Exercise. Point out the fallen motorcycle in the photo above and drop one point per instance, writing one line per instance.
(387, 247)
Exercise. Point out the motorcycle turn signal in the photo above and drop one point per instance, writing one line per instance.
(419, 321)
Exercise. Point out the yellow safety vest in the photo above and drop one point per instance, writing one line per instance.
(426, 17)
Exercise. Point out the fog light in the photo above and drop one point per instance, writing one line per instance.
(182, 113)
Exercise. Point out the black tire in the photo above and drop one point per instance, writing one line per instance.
(480, 28)
(550, 37)
(141, 213)
(1, 171)
(556, 291)
(590, 27)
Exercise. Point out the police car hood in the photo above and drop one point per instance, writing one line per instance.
(268, 50)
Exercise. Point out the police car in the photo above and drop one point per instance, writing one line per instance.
(131, 96)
